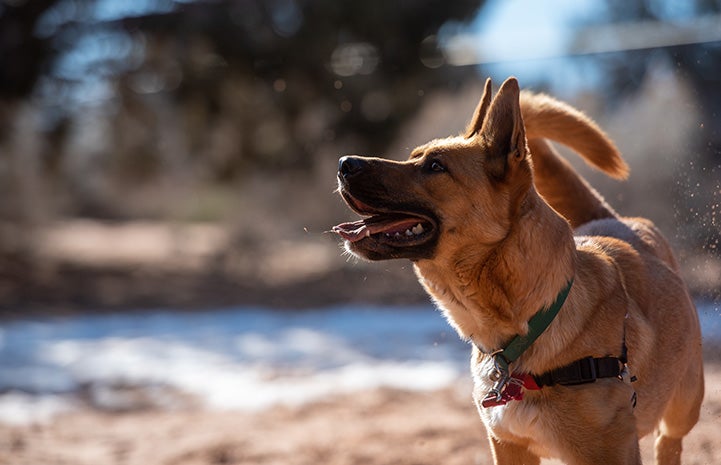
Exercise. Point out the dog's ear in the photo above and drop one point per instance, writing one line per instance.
(503, 130)
(474, 127)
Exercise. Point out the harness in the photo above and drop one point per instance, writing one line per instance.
(509, 386)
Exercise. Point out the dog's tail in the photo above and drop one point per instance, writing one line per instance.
(563, 188)
(555, 179)
(549, 118)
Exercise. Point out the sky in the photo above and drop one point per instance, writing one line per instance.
(527, 39)
(545, 42)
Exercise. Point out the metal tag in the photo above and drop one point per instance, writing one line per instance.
(627, 377)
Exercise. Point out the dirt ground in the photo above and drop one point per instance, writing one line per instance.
(88, 266)
(372, 427)
(92, 266)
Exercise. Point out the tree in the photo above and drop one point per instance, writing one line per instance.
(273, 79)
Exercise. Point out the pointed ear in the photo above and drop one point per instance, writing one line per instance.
(474, 127)
(503, 129)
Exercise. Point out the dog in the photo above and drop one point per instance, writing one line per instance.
(584, 336)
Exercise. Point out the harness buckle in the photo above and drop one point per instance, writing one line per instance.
(627, 377)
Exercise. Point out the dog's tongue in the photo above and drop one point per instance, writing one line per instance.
(357, 230)
(353, 231)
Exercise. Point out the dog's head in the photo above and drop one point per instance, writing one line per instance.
(451, 193)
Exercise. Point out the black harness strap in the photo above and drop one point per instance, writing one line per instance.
(586, 370)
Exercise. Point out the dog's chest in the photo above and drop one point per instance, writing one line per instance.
(514, 420)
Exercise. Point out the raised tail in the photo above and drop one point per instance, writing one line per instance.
(563, 188)
(555, 179)
(549, 118)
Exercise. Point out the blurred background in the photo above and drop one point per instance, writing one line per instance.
(168, 155)
(161, 152)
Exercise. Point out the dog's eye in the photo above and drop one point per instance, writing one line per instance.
(435, 166)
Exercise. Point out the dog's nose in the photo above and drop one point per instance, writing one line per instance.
(348, 166)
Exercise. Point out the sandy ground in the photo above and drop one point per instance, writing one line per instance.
(372, 427)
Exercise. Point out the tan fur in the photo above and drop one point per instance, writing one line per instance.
(505, 248)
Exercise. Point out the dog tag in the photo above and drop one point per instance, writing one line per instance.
(491, 400)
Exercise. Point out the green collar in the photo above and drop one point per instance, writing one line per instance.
(536, 326)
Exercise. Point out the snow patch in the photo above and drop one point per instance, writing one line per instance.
(246, 359)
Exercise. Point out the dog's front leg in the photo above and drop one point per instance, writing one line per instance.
(508, 453)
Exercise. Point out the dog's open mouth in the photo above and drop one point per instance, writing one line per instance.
(385, 227)
(394, 229)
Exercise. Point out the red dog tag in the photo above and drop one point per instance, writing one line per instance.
(513, 390)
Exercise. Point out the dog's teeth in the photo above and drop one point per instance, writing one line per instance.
(417, 229)
(397, 234)
(368, 233)
(409, 232)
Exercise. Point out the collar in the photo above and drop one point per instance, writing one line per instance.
(502, 358)
(536, 326)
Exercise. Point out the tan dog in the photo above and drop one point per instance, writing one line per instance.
(498, 260)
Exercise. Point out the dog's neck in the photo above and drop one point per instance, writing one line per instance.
(492, 294)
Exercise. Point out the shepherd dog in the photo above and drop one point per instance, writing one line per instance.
(584, 337)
